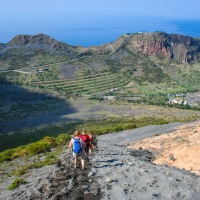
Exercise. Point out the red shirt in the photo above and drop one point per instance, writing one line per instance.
(85, 138)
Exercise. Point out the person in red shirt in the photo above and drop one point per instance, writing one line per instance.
(86, 140)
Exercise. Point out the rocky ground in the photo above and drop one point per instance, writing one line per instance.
(113, 172)
(129, 174)
(180, 148)
(59, 181)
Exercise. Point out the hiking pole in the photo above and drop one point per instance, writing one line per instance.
(70, 151)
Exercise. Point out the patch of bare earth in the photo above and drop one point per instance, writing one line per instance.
(180, 148)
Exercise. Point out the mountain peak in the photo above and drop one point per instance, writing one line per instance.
(21, 40)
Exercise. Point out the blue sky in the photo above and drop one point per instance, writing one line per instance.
(168, 8)
(88, 22)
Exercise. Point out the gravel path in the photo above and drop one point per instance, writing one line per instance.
(129, 174)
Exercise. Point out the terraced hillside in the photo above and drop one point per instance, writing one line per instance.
(173, 72)
(186, 76)
(86, 84)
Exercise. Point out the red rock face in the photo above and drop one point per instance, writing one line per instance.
(158, 48)
(173, 47)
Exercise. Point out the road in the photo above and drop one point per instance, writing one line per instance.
(113, 50)
(40, 66)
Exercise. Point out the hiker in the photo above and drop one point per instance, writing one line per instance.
(93, 140)
(86, 139)
(78, 145)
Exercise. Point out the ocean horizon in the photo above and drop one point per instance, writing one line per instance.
(90, 29)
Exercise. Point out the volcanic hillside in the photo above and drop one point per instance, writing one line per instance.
(33, 50)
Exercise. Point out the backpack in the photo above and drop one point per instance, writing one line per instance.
(77, 145)
(94, 140)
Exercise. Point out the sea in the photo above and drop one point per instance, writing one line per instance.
(90, 29)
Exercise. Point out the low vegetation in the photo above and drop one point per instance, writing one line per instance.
(16, 183)
(35, 148)
(50, 158)
(85, 85)
(99, 127)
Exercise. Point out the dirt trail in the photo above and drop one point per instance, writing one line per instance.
(113, 172)
(56, 182)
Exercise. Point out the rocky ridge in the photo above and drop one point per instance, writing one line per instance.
(169, 47)
(43, 42)
(172, 47)
(33, 50)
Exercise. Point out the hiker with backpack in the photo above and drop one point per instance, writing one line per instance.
(87, 142)
(93, 140)
(78, 145)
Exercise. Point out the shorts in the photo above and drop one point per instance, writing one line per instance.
(79, 155)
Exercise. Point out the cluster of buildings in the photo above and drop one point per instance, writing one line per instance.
(176, 101)
(41, 71)
(114, 89)
(179, 101)
(129, 34)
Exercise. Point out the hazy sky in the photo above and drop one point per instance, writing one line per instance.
(164, 8)
(88, 22)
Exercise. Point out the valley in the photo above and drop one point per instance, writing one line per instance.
(46, 84)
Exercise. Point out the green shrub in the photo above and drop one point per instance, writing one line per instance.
(63, 139)
(50, 140)
(19, 152)
(8, 152)
(6, 155)
(129, 126)
(49, 160)
(4, 158)
(16, 183)
(38, 147)
(118, 128)
(21, 171)
(43, 146)
(34, 148)
(97, 131)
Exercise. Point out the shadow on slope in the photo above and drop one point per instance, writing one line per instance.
(23, 109)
